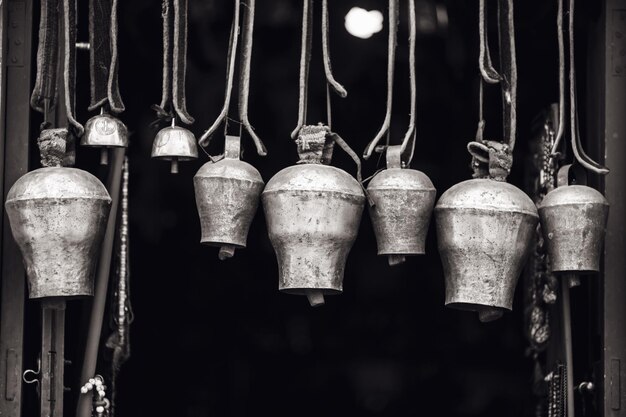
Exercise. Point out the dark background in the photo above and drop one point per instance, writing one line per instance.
(217, 338)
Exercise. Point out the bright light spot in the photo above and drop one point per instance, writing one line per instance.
(362, 23)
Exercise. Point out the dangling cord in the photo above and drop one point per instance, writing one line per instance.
(244, 83)
(488, 72)
(230, 75)
(338, 88)
(305, 60)
(408, 143)
(577, 148)
(69, 66)
(391, 61)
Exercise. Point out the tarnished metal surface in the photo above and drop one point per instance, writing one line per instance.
(313, 213)
(573, 218)
(57, 217)
(105, 130)
(403, 203)
(227, 197)
(484, 232)
(174, 143)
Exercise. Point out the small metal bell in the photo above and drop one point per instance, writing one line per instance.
(403, 203)
(227, 197)
(313, 213)
(174, 143)
(484, 231)
(105, 131)
(573, 220)
(58, 217)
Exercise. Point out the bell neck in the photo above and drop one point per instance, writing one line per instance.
(232, 147)
(315, 146)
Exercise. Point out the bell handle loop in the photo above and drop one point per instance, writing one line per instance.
(305, 60)
(205, 139)
(330, 78)
(393, 157)
(244, 74)
(391, 61)
(479, 151)
(485, 64)
(408, 143)
(232, 147)
(571, 170)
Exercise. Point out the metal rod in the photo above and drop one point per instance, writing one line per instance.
(102, 281)
(567, 340)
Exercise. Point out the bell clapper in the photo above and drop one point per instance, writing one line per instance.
(174, 166)
(396, 259)
(573, 280)
(104, 156)
(315, 297)
(226, 252)
(490, 314)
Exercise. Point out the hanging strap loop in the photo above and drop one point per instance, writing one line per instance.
(330, 78)
(408, 142)
(247, 30)
(488, 72)
(173, 98)
(45, 89)
(392, 42)
(103, 59)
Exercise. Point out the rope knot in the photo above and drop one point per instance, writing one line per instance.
(56, 147)
(490, 159)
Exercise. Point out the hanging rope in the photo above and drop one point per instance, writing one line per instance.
(103, 56)
(338, 88)
(494, 159)
(173, 98)
(408, 142)
(244, 76)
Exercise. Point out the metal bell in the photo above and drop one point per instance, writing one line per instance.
(484, 231)
(313, 213)
(105, 131)
(227, 197)
(174, 143)
(403, 203)
(573, 220)
(58, 217)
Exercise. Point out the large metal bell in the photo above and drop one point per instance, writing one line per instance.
(403, 201)
(573, 220)
(105, 131)
(227, 197)
(484, 230)
(174, 143)
(58, 217)
(313, 213)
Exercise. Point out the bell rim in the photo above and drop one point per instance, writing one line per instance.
(360, 198)
(418, 181)
(474, 307)
(89, 198)
(304, 291)
(487, 208)
(216, 244)
(174, 157)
